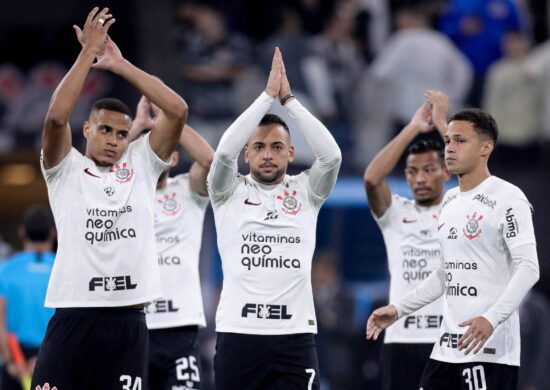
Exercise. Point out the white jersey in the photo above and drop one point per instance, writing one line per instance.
(412, 246)
(105, 223)
(266, 239)
(477, 231)
(179, 216)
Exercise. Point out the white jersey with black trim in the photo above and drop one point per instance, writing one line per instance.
(105, 223)
(477, 230)
(412, 247)
(179, 217)
(266, 239)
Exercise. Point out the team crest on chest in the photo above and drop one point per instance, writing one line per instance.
(472, 229)
(291, 205)
(123, 174)
(170, 205)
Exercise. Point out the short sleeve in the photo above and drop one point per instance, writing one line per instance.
(389, 215)
(153, 164)
(200, 200)
(56, 177)
(515, 220)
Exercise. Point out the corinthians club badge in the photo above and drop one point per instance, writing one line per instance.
(170, 205)
(291, 205)
(472, 229)
(122, 173)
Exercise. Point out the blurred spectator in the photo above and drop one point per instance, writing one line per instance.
(415, 59)
(24, 101)
(513, 97)
(293, 41)
(212, 60)
(23, 283)
(338, 336)
(538, 66)
(334, 68)
(477, 28)
(372, 24)
(535, 342)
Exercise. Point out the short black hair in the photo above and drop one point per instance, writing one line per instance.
(37, 223)
(112, 104)
(272, 119)
(429, 145)
(482, 122)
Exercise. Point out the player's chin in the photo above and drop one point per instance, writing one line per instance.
(269, 178)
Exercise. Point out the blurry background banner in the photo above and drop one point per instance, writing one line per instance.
(359, 65)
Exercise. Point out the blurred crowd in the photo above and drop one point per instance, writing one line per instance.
(362, 66)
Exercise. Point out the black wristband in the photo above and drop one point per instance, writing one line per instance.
(286, 98)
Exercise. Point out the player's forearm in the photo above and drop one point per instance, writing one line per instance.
(320, 140)
(431, 289)
(66, 94)
(525, 276)
(172, 105)
(324, 171)
(224, 164)
(386, 160)
(236, 136)
(196, 146)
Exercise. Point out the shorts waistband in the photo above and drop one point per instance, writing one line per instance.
(111, 313)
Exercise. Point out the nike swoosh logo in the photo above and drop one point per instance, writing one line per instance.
(440, 226)
(87, 170)
(248, 202)
(405, 220)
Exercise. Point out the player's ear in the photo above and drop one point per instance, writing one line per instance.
(291, 153)
(175, 159)
(488, 147)
(86, 129)
(246, 154)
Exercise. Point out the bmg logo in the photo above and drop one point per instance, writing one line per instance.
(266, 312)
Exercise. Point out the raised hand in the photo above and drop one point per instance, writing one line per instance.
(440, 109)
(274, 81)
(422, 118)
(94, 33)
(479, 330)
(143, 114)
(109, 57)
(285, 86)
(379, 320)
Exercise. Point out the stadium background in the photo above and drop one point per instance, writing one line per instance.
(216, 55)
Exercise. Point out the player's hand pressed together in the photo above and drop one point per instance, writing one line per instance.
(93, 36)
(284, 92)
(274, 81)
(479, 330)
(379, 320)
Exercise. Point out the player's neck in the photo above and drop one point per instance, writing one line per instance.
(469, 181)
(273, 183)
(431, 203)
(162, 183)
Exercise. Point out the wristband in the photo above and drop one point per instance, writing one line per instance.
(286, 98)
